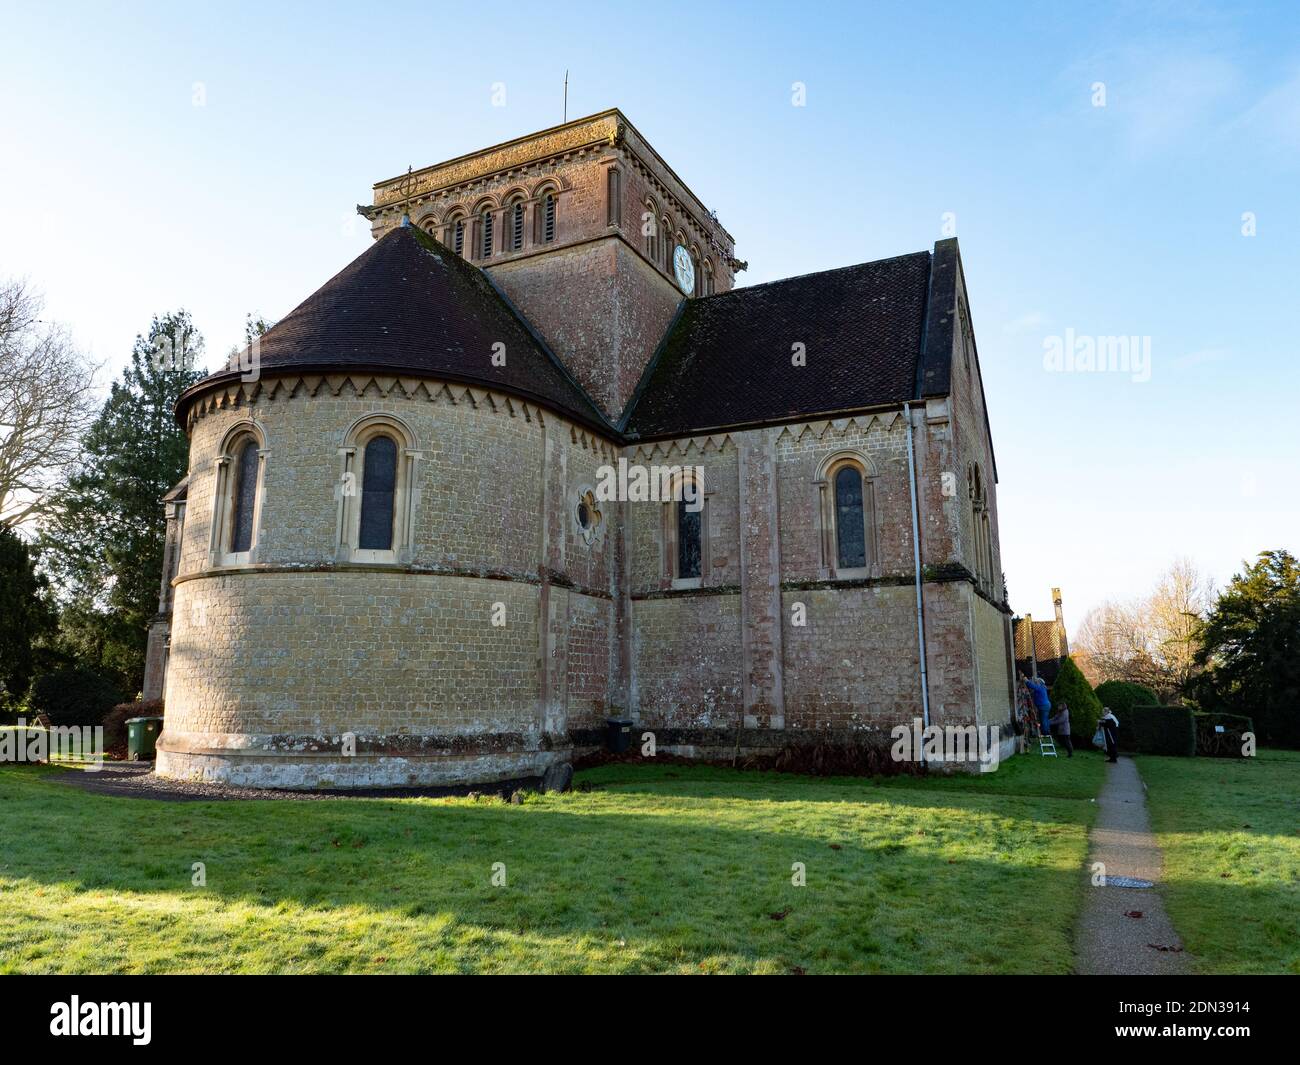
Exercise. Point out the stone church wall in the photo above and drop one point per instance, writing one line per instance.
(271, 664)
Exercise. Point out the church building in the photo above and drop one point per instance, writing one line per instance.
(409, 551)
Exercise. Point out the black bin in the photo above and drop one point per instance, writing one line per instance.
(618, 734)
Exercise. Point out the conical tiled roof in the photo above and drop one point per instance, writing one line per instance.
(409, 305)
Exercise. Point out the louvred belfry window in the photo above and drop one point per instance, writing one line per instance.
(486, 249)
(548, 218)
(517, 227)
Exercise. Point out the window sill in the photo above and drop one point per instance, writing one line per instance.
(371, 556)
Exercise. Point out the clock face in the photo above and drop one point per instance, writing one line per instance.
(684, 269)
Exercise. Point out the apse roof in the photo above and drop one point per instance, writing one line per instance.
(410, 305)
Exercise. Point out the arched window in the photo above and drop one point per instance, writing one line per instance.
(686, 528)
(517, 225)
(650, 230)
(850, 524)
(690, 551)
(377, 491)
(244, 496)
(237, 497)
(981, 560)
(706, 283)
(486, 220)
(847, 510)
(665, 227)
(548, 218)
(613, 197)
(458, 235)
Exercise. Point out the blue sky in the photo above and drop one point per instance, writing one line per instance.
(122, 194)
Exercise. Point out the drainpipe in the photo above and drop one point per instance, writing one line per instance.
(916, 558)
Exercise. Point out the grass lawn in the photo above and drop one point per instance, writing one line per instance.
(1230, 831)
(657, 868)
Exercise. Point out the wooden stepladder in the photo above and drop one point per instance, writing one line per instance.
(1047, 746)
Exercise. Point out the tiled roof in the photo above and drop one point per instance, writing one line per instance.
(409, 305)
(727, 360)
(872, 335)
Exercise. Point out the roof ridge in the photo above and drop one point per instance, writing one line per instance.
(811, 273)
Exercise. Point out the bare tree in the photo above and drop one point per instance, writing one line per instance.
(1151, 640)
(1175, 610)
(47, 401)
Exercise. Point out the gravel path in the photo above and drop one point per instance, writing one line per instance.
(1125, 930)
(136, 780)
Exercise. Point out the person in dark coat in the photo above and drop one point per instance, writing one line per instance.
(1060, 722)
(1109, 725)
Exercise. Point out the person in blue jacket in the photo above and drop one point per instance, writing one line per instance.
(1043, 704)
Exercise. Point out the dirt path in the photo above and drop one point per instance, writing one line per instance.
(1124, 929)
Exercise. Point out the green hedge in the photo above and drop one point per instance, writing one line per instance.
(1122, 695)
(1158, 730)
(1226, 744)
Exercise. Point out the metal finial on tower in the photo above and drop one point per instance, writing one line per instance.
(407, 186)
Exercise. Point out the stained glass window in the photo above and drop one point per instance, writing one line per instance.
(850, 529)
(688, 541)
(378, 484)
(245, 497)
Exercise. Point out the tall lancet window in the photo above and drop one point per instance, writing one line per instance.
(236, 502)
(458, 236)
(689, 548)
(850, 526)
(378, 492)
(377, 495)
(485, 229)
(244, 497)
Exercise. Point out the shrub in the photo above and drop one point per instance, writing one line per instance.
(73, 696)
(115, 721)
(1226, 744)
(1158, 730)
(1120, 696)
(1072, 688)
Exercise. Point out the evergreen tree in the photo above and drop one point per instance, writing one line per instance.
(106, 543)
(26, 614)
(1072, 688)
(1252, 649)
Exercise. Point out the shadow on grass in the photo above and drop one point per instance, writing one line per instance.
(900, 882)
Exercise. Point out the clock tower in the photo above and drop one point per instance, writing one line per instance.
(585, 229)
